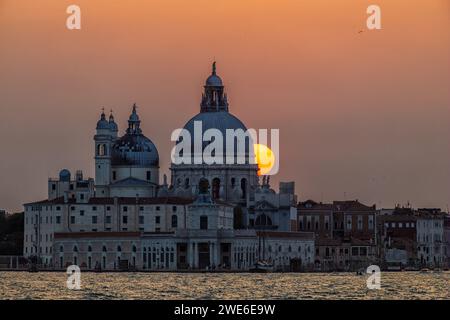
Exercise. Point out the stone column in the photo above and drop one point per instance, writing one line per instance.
(211, 253)
(217, 253)
(190, 254)
(195, 255)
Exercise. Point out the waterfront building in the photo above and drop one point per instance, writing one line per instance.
(345, 233)
(430, 237)
(397, 234)
(447, 238)
(210, 216)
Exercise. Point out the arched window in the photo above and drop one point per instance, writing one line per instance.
(89, 249)
(216, 188)
(174, 221)
(134, 248)
(263, 220)
(244, 188)
(61, 249)
(119, 249)
(75, 249)
(104, 249)
(233, 182)
(101, 149)
(203, 185)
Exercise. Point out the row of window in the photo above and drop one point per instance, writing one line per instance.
(104, 249)
(399, 224)
(108, 219)
(47, 237)
(33, 250)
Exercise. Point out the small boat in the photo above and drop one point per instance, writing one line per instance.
(262, 267)
(360, 272)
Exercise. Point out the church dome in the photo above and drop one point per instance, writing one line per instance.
(112, 124)
(214, 114)
(220, 120)
(214, 81)
(64, 175)
(102, 123)
(134, 148)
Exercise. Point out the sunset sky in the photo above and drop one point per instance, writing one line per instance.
(362, 115)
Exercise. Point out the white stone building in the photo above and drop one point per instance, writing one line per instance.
(430, 237)
(124, 219)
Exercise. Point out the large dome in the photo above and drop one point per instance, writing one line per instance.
(221, 120)
(214, 115)
(134, 149)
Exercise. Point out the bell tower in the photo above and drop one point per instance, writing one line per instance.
(104, 138)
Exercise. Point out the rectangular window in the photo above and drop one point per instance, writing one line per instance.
(94, 219)
(157, 229)
(141, 219)
(158, 208)
(81, 196)
(174, 208)
(349, 222)
(58, 208)
(360, 222)
(157, 219)
(53, 187)
(203, 222)
(141, 208)
(94, 208)
(114, 175)
(400, 225)
(72, 219)
(82, 213)
(108, 219)
(58, 219)
(371, 224)
(124, 219)
(108, 208)
(148, 175)
(125, 209)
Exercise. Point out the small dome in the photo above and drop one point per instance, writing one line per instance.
(64, 175)
(134, 149)
(102, 123)
(112, 124)
(134, 116)
(214, 81)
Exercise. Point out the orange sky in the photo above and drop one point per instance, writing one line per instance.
(365, 114)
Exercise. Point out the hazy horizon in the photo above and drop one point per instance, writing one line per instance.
(362, 115)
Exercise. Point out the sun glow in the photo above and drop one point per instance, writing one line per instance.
(264, 158)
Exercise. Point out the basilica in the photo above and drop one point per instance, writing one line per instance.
(207, 217)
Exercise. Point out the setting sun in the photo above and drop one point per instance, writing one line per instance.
(265, 159)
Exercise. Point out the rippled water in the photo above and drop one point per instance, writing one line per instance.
(394, 285)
